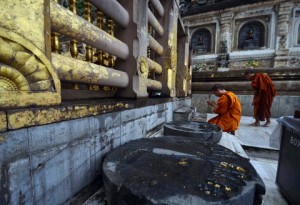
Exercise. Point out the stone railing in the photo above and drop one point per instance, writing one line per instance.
(127, 49)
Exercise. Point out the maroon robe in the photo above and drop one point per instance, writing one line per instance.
(263, 97)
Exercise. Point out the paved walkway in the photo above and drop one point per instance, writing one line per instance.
(253, 136)
(258, 137)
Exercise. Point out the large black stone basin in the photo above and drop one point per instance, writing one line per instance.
(206, 132)
(179, 171)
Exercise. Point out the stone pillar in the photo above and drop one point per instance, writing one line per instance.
(135, 35)
(169, 42)
(226, 35)
(282, 51)
(182, 67)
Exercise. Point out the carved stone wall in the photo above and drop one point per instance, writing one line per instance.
(268, 32)
(294, 36)
(48, 164)
(202, 41)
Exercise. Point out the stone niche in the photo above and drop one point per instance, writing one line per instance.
(252, 38)
(203, 47)
(252, 34)
(202, 40)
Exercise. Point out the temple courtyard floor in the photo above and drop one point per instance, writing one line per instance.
(255, 142)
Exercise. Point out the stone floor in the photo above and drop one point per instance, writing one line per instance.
(246, 136)
(258, 137)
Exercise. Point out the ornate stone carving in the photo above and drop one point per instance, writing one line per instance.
(201, 41)
(281, 59)
(26, 73)
(7, 85)
(223, 47)
(143, 67)
(294, 62)
(21, 59)
(12, 80)
(251, 36)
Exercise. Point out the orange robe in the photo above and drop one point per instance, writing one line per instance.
(229, 112)
(263, 97)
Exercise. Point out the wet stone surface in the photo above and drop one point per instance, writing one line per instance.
(179, 170)
(206, 132)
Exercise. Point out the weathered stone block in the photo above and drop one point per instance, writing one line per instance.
(80, 165)
(12, 144)
(17, 183)
(104, 122)
(80, 128)
(129, 115)
(169, 111)
(184, 114)
(51, 175)
(49, 136)
(133, 130)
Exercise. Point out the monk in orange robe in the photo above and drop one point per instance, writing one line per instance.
(228, 108)
(263, 96)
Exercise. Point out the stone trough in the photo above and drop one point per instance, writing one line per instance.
(206, 132)
(174, 170)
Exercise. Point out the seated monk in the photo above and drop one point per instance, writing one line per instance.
(228, 108)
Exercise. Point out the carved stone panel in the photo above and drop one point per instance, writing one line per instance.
(26, 75)
(251, 36)
(201, 41)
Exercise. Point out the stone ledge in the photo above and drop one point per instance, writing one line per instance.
(21, 118)
(250, 54)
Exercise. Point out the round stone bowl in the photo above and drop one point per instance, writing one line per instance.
(206, 132)
(174, 170)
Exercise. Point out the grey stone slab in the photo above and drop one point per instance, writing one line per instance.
(13, 144)
(151, 121)
(98, 151)
(104, 122)
(80, 128)
(169, 112)
(184, 114)
(80, 165)
(155, 120)
(150, 109)
(133, 180)
(18, 183)
(161, 107)
(51, 176)
(133, 114)
(231, 142)
(114, 135)
(254, 136)
(267, 170)
(49, 136)
(133, 130)
(95, 155)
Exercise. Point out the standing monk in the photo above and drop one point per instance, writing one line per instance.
(228, 108)
(263, 96)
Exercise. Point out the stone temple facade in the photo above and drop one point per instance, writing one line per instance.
(226, 37)
(259, 33)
